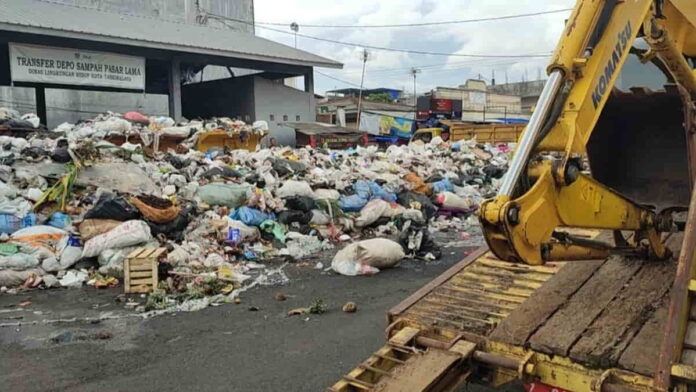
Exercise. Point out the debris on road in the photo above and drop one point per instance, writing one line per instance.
(350, 307)
(77, 200)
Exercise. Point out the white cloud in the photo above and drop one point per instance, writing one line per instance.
(537, 34)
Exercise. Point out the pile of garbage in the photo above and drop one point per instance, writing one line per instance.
(74, 205)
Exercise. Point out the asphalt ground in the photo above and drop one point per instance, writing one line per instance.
(58, 343)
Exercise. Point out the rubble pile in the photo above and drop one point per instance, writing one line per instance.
(74, 204)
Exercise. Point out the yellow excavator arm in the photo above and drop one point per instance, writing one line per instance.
(640, 146)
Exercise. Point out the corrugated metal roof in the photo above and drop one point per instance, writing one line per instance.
(45, 17)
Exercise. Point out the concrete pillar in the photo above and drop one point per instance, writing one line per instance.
(40, 94)
(309, 82)
(175, 90)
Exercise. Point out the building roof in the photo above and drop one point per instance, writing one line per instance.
(48, 18)
(352, 90)
(351, 103)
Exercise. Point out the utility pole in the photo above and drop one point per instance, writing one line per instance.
(414, 72)
(365, 55)
(295, 28)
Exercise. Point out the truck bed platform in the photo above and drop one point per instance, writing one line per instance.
(580, 320)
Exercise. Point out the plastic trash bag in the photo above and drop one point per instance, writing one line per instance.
(300, 203)
(275, 229)
(90, 228)
(293, 216)
(352, 203)
(155, 209)
(59, 220)
(453, 201)
(19, 261)
(110, 206)
(128, 233)
(294, 188)
(372, 212)
(173, 230)
(417, 184)
(10, 223)
(379, 192)
(367, 257)
(418, 202)
(70, 252)
(230, 195)
(443, 185)
(247, 233)
(330, 194)
(250, 216)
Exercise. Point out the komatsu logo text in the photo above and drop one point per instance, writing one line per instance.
(611, 65)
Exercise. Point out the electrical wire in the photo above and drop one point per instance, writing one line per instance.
(338, 80)
(373, 47)
(419, 24)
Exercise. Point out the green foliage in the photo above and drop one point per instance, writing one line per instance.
(381, 97)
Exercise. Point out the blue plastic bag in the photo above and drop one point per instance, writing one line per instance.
(352, 203)
(443, 185)
(10, 223)
(380, 193)
(251, 216)
(362, 189)
(59, 220)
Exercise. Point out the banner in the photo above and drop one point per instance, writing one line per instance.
(41, 64)
(382, 125)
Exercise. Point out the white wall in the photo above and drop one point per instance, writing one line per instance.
(72, 105)
(273, 98)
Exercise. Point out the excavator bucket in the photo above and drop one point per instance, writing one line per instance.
(639, 148)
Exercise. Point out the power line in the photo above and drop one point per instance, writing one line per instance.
(420, 24)
(337, 79)
(363, 46)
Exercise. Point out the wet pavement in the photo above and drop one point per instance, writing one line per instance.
(83, 340)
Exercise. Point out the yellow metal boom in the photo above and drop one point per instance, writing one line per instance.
(540, 194)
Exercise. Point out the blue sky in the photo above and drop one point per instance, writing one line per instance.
(529, 35)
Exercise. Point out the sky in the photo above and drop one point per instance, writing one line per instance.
(535, 35)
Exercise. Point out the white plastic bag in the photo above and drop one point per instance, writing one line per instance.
(373, 211)
(128, 233)
(380, 253)
(19, 261)
(330, 194)
(294, 188)
(345, 263)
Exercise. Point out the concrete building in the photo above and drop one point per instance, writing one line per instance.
(344, 111)
(187, 51)
(394, 94)
(477, 103)
(527, 91)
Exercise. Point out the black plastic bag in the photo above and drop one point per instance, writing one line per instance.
(222, 172)
(61, 155)
(300, 203)
(110, 206)
(173, 230)
(286, 167)
(294, 216)
(411, 199)
(415, 239)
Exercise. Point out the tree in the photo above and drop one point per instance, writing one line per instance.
(381, 97)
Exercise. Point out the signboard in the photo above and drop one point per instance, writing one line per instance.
(441, 105)
(42, 64)
(383, 125)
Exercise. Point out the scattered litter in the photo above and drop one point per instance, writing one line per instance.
(73, 207)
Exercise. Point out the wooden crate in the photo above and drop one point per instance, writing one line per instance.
(140, 270)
